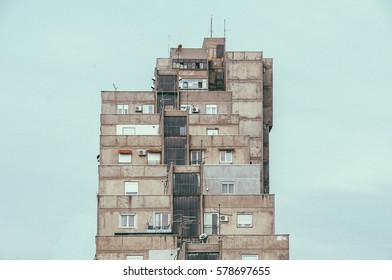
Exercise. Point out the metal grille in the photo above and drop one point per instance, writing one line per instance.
(202, 256)
(186, 184)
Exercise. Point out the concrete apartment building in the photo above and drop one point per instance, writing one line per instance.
(184, 168)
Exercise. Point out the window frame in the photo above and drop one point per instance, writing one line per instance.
(131, 185)
(209, 228)
(250, 255)
(228, 184)
(127, 225)
(198, 161)
(225, 159)
(212, 107)
(215, 131)
(158, 220)
(153, 161)
(148, 109)
(122, 109)
(124, 158)
(242, 216)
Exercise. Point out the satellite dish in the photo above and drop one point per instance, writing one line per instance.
(203, 236)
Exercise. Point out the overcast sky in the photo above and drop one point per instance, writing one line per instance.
(331, 144)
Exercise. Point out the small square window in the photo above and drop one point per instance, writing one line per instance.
(244, 219)
(122, 109)
(131, 188)
(127, 221)
(124, 158)
(153, 158)
(211, 109)
(226, 156)
(228, 188)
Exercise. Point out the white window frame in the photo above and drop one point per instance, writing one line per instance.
(148, 109)
(131, 187)
(197, 161)
(212, 131)
(250, 257)
(211, 109)
(244, 219)
(226, 156)
(122, 109)
(125, 220)
(228, 187)
(208, 223)
(124, 158)
(159, 220)
(153, 158)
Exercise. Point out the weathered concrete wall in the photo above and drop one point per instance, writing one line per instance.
(110, 100)
(213, 144)
(261, 206)
(147, 186)
(124, 171)
(119, 247)
(246, 178)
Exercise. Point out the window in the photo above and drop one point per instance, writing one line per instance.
(134, 258)
(161, 220)
(250, 257)
(244, 219)
(228, 187)
(226, 156)
(154, 158)
(211, 221)
(124, 156)
(182, 130)
(196, 157)
(148, 109)
(122, 109)
(131, 188)
(211, 109)
(127, 220)
(128, 130)
(212, 131)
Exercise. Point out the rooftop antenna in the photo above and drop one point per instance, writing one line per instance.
(211, 27)
(114, 86)
(224, 28)
(168, 45)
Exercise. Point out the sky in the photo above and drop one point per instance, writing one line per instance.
(330, 147)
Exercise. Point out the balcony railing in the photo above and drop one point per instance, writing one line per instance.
(157, 229)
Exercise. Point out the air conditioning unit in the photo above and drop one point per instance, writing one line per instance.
(138, 109)
(142, 152)
(224, 218)
(184, 108)
(195, 110)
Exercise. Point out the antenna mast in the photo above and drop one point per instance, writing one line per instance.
(211, 27)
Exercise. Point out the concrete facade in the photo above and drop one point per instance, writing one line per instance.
(184, 168)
